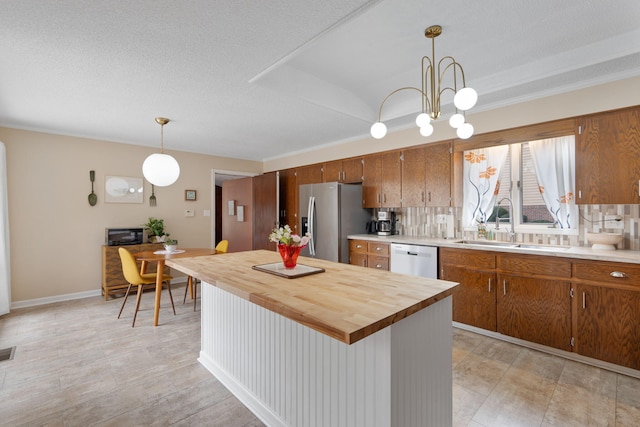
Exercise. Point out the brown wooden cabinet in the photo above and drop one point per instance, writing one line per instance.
(474, 301)
(113, 281)
(348, 171)
(438, 175)
(426, 176)
(382, 180)
(289, 198)
(607, 311)
(607, 152)
(311, 174)
(369, 254)
(534, 299)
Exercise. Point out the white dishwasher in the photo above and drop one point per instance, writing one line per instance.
(414, 260)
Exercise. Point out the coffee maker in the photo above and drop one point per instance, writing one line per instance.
(386, 223)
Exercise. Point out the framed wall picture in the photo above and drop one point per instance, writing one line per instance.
(190, 194)
(123, 189)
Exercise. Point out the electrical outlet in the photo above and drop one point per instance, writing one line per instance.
(189, 212)
(441, 219)
(613, 221)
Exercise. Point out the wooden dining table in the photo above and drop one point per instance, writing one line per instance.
(160, 256)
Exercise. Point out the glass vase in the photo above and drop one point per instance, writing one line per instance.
(289, 255)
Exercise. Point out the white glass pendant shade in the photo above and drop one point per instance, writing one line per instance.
(378, 130)
(161, 169)
(422, 120)
(426, 130)
(465, 131)
(456, 120)
(465, 98)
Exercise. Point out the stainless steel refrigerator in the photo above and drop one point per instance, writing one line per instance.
(331, 211)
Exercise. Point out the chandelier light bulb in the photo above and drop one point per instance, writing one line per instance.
(426, 130)
(423, 119)
(465, 98)
(456, 120)
(465, 131)
(378, 130)
(161, 169)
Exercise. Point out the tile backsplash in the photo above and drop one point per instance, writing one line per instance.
(423, 222)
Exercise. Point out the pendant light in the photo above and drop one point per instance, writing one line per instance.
(161, 169)
(434, 76)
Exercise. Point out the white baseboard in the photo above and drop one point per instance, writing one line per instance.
(69, 297)
(55, 298)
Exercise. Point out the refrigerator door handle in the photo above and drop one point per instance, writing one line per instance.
(310, 212)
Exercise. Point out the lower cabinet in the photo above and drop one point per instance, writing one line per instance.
(522, 296)
(534, 299)
(369, 254)
(607, 312)
(474, 301)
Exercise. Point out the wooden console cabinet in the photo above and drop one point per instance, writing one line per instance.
(113, 282)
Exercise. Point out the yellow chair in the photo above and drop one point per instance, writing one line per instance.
(221, 248)
(135, 278)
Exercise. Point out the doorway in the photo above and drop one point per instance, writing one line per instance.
(217, 178)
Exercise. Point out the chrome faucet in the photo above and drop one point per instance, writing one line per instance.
(512, 234)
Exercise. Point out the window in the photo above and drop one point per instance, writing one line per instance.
(536, 176)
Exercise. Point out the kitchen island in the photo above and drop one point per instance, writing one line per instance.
(344, 347)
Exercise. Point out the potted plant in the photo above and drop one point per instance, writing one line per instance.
(155, 229)
(170, 245)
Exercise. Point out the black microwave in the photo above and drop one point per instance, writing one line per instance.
(123, 236)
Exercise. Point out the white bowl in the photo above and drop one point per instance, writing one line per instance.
(170, 248)
(604, 241)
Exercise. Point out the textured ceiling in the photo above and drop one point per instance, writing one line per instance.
(257, 80)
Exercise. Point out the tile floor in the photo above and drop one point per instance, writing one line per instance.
(77, 365)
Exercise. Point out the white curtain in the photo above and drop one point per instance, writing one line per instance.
(5, 273)
(481, 177)
(555, 169)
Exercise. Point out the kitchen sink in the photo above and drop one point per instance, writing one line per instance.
(493, 243)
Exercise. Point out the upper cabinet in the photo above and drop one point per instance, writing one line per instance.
(289, 198)
(607, 153)
(382, 180)
(426, 176)
(348, 171)
(311, 174)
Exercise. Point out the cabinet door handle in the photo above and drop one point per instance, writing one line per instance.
(489, 285)
(584, 300)
(618, 274)
(504, 286)
(442, 273)
(429, 195)
(422, 196)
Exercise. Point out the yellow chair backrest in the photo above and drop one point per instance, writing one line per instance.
(129, 267)
(222, 247)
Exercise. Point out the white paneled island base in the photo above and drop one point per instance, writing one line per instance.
(291, 375)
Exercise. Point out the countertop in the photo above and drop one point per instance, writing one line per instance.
(578, 252)
(346, 302)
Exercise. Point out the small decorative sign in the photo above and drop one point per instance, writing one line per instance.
(190, 195)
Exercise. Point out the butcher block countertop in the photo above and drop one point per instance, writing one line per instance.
(346, 302)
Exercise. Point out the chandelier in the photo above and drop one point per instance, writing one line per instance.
(161, 169)
(433, 87)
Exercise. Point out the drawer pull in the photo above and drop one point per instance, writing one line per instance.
(359, 246)
(378, 248)
(378, 265)
(618, 274)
